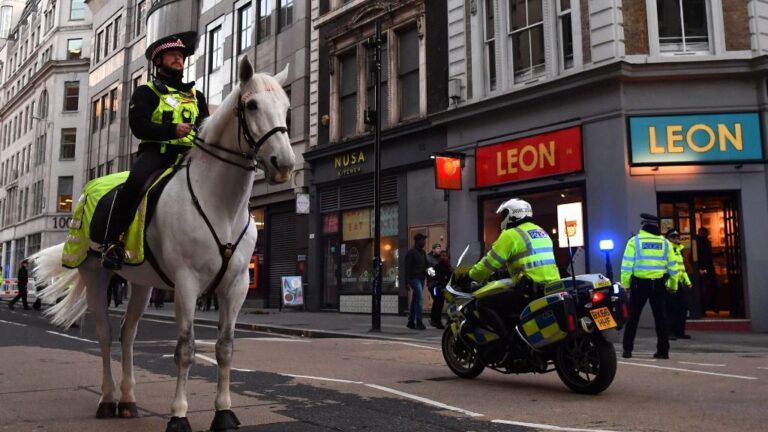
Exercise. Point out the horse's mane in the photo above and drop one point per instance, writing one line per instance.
(214, 126)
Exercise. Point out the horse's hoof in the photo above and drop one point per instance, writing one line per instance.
(224, 421)
(127, 410)
(106, 410)
(178, 424)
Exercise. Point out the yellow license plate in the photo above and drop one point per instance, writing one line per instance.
(603, 318)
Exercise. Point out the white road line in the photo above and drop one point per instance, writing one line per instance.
(13, 323)
(213, 362)
(764, 368)
(71, 337)
(321, 378)
(547, 427)
(702, 364)
(167, 355)
(425, 400)
(690, 371)
(273, 339)
(403, 343)
(205, 342)
(243, 370)
(206, 358)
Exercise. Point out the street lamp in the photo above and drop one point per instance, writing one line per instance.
(607, 246)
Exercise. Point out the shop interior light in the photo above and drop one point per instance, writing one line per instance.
(606, 245)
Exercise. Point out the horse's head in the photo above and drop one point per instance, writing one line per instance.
(264, 106)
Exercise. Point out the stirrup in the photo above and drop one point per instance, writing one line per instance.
(112, 256)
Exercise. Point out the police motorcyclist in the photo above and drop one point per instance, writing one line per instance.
(163, 114)
(526, 250)
(646, 268)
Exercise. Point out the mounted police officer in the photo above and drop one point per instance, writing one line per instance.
(526, 251)
(163, 114)
(646, 268)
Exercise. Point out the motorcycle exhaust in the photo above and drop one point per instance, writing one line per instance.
(587, 325)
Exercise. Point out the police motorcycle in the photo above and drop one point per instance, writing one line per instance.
(560, 329)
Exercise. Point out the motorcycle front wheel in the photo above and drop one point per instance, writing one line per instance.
(586, 364)
(460, 358)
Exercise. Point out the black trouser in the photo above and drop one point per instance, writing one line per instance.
(148, 162)
(438, 300)
(21, 295)
(677, 310)
(643, 290)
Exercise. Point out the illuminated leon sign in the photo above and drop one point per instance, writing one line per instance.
(695, 139)
(528, 158)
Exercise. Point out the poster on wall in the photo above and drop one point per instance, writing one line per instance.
(570, 223)
(293, 292)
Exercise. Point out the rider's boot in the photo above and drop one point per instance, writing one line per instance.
(112, 255)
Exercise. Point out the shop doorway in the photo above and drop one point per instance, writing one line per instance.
(709, 224)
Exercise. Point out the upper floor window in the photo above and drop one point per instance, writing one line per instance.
(348, 94)
(43, 104)
(285, 14)
(64, 195)
(113, 101)
(118, 33)
(5, 21)
(408, 74)
(490, 44)
(565, 33)
(141, 10)
(526, 30)
(265, 18)
(244, 27)
(74, 49)
(215, 48)
(71, 95)
(68, 143)
(683, 25)
(371, 85)
(77, 11)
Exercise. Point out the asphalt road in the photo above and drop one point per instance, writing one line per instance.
(50, 381)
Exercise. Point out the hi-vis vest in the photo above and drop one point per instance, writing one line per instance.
(647, 256)
(682, 275)
(525, 250)
(175, 106)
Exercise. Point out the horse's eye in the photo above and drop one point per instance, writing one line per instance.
(252, 105)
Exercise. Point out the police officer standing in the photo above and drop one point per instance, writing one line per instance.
(163, 114)
(677, 302)
(647, 265)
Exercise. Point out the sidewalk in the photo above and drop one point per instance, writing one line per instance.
(334, 324)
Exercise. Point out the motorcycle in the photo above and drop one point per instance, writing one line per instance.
(560, 329)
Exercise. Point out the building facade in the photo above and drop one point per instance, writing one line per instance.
(414, 80)
(273, 33)
(43, 87)
(596, 111)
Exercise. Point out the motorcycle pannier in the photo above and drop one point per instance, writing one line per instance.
(548, 319)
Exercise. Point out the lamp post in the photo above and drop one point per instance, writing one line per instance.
(607, 246)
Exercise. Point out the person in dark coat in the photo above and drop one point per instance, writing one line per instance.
(443, 272)
(706, 266)
(23, 278)
(415, 275)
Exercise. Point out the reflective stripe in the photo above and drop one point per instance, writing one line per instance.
(626, 269)
(534, 264)
(525, 238)
(673, 272)
(530, 252)
(488, 265)
(650, 267)
(629, 258)
(496, 256)
(666, 250)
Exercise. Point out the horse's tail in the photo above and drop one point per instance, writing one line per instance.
(59, 282)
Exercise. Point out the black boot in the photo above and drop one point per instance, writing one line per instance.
(112, 256)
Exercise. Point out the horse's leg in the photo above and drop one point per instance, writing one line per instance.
(186, 296)
(230, 302)
(136, 306)
(96, 285)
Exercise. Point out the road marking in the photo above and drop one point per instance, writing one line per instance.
(205, 342)
(321, 378)
(764, 368)
(213, 362)
(243, 370)
(273, 339)
(206, 358)
(168, 355)
(424, 400)
(702, 364)
(13, 323)
(402, 343)
(547, 427)
(71, 337)
(691, 371)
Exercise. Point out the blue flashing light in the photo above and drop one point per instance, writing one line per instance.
(606, 245)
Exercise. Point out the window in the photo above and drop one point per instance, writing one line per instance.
(245, 28)
(215, 48)
(526, 24)
(77, 11)
(5, 21)
(74, 49)
(141, 9)
(285, 15)
(25, 203)
(107, 39)
(20, 206)
(33, 243)
(682, 25)
(112, 105)
(64, 194)
(408, 74)
(29, 156)
(348, 94)
(384, 115)
(265, 18)
(104, 111)
(44, 104)
(490, 44)
(40, 149)
(68, 140)
(37, 198)
(565, 33)
(71, 95)
(109, 166)
(189, 69)
(118, 32)
(95, 115)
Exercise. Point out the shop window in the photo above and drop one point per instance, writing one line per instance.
(683, 25)
(356, 249)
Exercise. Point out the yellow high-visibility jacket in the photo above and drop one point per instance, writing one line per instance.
(647, 256)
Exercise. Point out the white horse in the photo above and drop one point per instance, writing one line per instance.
(181, 237)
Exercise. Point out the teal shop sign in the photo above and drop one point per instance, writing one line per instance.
(695, 139)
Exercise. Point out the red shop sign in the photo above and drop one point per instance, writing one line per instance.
(528, 158)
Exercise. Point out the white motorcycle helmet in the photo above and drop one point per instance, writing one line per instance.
(513, 210)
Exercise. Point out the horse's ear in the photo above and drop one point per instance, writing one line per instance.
(246, 70)
(282, 77)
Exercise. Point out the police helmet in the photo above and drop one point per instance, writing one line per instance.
(513, 210)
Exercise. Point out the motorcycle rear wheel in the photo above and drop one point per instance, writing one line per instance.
(586, 364)
(461, 359)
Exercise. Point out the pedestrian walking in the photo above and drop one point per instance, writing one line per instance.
(706, 267)
(415, 275)
(22, 278)
(443, 272)
(647, 265)
(677, 300)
